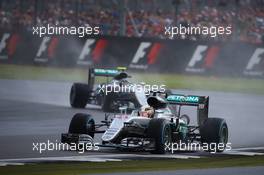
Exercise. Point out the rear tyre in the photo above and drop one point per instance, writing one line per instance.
(160, 131)
(214, 132)
(79, 95)
(82, 124)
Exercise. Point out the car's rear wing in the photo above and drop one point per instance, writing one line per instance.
(187, 100)
(93, 72)
(105, 72)
(202, 103)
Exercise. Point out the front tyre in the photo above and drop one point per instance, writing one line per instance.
(214, 132)
(160, 131)
(79, 95)
(82, 124)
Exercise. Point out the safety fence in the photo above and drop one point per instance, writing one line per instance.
(144, 54)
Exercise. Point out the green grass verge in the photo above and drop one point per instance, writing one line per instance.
(175, 81)
(131, 166)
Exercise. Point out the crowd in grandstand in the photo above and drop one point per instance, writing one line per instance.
(247, 20)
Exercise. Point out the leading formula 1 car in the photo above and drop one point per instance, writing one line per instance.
(82, 94)
(152, 133)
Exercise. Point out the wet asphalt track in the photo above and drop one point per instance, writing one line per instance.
(37, 111)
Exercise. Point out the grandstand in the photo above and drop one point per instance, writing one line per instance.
(139, 18)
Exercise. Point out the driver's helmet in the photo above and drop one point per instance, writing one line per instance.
(146, 111)
(121, 76)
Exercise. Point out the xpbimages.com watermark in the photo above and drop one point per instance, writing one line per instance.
(212, 31)
(208, 147)
(80, 147)
(131, 88)
(80, 31)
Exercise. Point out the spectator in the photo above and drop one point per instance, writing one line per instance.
(246, 17)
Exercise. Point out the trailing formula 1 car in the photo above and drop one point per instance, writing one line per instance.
(154, 127)
(105, 94)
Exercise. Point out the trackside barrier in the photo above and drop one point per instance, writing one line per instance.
(156, 55)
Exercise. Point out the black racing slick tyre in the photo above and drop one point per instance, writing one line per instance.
(214, 132)
(160, 131)
(82, 124)
(79, 95)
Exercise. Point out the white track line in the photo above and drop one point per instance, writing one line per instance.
(120, 157)
(246, 151)
(97, 158)
(248, 148)
(243, 153)
(8, 163)
(72, 158)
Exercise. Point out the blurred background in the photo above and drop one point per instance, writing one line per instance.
(132, 34)
(139, 18)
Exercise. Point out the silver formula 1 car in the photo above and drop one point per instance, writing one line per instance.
(104, 94)
(155, 132)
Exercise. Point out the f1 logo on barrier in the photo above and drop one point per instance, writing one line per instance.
(254, 65)
(91, 51)
(145, 55)
(46, 49)
(8, 44)
(85, 52)
(203, 58)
